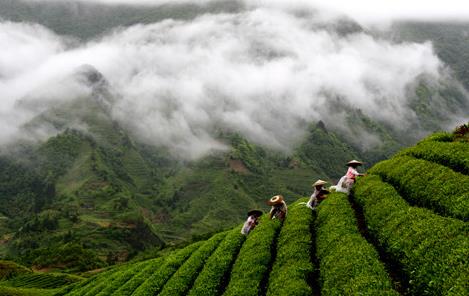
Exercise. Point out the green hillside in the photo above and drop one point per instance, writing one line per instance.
(100, 197)
(389, 237)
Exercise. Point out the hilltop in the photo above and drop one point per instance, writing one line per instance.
(402, 231)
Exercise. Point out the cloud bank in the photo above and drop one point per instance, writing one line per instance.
(265, 73)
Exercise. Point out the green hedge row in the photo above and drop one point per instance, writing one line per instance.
(293, 267)
(255, 257)
(439, 137)
(181, 282)
(217, 268)
(43, 280)
(349, 265)
(173, 261)
(83, 287)
(427, 184)
(129, 287)
(93, 290)
(432, 250)
(454, 155)
(119, 278)
(12, 291)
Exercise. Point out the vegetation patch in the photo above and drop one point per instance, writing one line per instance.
(156, 281)
(454, 155)
(129, 287)
(120, 278)
(349, 265)
(254, 259)
(431, 249)
(212, 278)
(182, 280)
(10, 291)
(428, 184)
(43, 280)
(293, 268)
(83, 287)
(10, 269)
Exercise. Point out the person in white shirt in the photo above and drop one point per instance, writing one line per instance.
(318, 195)
(251, 221)
(347, 181)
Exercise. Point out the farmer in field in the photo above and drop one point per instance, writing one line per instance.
(279, 207)
(251, 221)
(352, 172)
(347, 181)
(319, 194)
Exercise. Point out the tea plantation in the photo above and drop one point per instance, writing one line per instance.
(402, 231)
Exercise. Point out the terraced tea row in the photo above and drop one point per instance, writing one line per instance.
(156, 281)
(454, 155)
(349, 265)
(432, 250)
(253, 262)
(42, 280)
(182, 280)
(293, 268)
(129, 287)
(215, 275)
(427, 184)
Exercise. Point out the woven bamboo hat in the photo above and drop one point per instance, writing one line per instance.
(278, 199)
(256, 213)
(319, 182)
(354, 162)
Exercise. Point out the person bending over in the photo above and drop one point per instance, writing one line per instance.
(279, 207)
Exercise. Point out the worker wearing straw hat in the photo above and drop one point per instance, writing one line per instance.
(347, 181)
(279, 207)
(352, 172)
(318, 195)
(251, 221)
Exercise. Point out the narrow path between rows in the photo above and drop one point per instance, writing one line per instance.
(314, 278)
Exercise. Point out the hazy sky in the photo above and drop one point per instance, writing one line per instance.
(263, 72)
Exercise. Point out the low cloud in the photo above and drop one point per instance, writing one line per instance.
(265, 72)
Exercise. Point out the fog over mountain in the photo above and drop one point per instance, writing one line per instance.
(266, 71)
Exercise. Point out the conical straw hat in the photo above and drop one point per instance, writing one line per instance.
(256, 213)
(319, 182)
(278, 199)
(354, 162)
